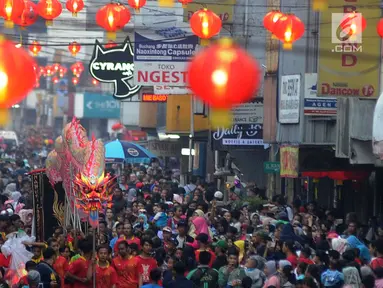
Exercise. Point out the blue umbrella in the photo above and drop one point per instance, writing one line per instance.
(128, 152)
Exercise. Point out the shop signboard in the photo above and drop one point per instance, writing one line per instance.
(248, 113)
(242, 136)
(115, 65)
(289, 98)
(314, 105)
(101, 106)
(161, 58)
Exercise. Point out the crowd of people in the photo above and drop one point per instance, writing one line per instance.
(158, 233)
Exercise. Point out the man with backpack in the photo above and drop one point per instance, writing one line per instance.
(204, 276)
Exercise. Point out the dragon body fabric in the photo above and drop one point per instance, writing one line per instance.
(79, 163)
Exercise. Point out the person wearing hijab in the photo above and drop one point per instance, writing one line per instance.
(272, 275)
(363, 250)
(351, 277)
(199, 225)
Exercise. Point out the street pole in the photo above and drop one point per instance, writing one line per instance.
(94, 252)
(191, 136)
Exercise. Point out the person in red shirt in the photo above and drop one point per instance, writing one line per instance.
(130, 238)
(203, 242)
(78, 268)
(145, 262)
(61, 264)
(378, 261)
(289, 250)
(106, 276)
(125, 265)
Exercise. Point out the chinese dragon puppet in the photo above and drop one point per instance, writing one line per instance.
(80, 163)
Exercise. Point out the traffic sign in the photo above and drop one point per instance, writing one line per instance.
(271, 167)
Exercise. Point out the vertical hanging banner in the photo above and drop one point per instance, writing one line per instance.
(289, 99)
(289, 161)
(349, 66)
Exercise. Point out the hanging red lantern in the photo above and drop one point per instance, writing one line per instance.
(205, 24)
(74, 6)
(11, 9)
(270, 19)
(185, 2)
(62, 71)
(13, 63)
(49, 10)
(75, 81)
(35, 48)
(224, 75)
(110, 44)
(55, 80)
(41, 71)
(288, 29)
(74, 48)
(137, 4)
(351, 25)
(95, 82)
(112, 17)
(48, 70)
(80, 66)
(379, 28)
(29, 15)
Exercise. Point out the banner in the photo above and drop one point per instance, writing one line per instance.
(314, 105)
(38, 217)
(161, 58)
(349, 66)
(244, 136)
(224, 9)
(289, 99)
(289, 161)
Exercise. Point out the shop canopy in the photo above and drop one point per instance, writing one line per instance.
(338, 175)
(127, 152)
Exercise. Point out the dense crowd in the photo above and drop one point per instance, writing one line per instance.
(158, 233)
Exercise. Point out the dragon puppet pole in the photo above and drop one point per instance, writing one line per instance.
(94, 252)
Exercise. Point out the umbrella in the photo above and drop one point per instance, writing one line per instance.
(128, 152)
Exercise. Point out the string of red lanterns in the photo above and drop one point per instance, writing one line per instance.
(11, 9)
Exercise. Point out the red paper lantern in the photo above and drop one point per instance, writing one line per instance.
(351, 24)
(95, 82)
(205, 24)
(62, 71)
(74, 48)
(110, 44)
(379, 28)
(270, 19)
(35, 48)
(185, 2)
(55, 80)
(11, 9)
(288, 29)
(117, 126)
(49, 10)
(49, 70)
(75, 81)
(14, 62)
(29, 15)
(224, 75)
(112, 17)
(74, 6)
(56, 67)
(137, 4)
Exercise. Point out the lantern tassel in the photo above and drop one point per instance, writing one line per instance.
(74, 14)
(288, 46)
(166, 3)
(204, 42)
(184, 5)
(274, 37)
(320, 5)
(5, 117)
(137, 10)
(221, 118)
(49, 23)
(111, 35)
(8, 24)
